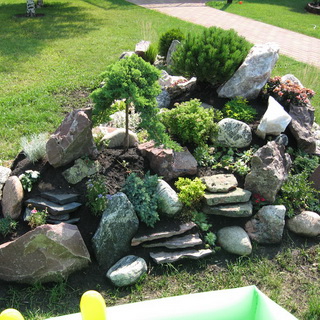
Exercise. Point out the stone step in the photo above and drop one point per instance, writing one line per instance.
(70, 221)
(53, 208)
(160, 234)
(234, 196)
(233, 210)
(187, 241)
(168, 257)
(220, 182)
(60, 198)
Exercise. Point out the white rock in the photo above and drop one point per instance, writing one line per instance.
(307, 223)
(274, 121)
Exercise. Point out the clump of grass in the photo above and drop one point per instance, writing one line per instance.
(34, 147)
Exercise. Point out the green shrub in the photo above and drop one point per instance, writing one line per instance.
(151, 54)
(297, 194)
(167, 38)
(190, 191)
(191, 123)
(239, 109)
(97, 194)
(28, 179)
(34, 147)
(7, 226)
(142, 194)
(37, 218)
(212, 56)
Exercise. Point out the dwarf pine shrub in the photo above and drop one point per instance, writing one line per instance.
(167, 38)
(212, 56)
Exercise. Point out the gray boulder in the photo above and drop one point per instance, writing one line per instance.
(127, 271)
(270, 167)
(45, 254)
(267, 225)
(307, 224)
(168, 202)
(4, 175)
(220, 182)
(291, 78)
(118, 225)
(72, 140)
(141, 48)
(233, 133)
(12, 198)
(163, 99)
(253, 74)
(235, 240)
(172, 49)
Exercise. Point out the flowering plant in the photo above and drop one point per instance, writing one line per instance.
(37, 218)
(28, 179)
(287, 92)
(258, 201)
(97, 194)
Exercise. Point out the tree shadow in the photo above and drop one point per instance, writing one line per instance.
(21, 36)
(111, 4)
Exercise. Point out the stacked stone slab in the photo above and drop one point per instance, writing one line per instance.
(59, 206)
(175, 244)
(224, 198)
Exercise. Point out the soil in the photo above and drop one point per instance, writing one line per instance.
(116, 172)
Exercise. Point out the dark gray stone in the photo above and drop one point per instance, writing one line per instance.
(234, 210)
(60, 198)
(282, 139)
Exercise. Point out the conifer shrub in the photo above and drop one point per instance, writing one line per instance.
(191, 123)
(167, 38)
(212, 56)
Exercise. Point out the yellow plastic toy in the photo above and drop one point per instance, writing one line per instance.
(92, 306)
(11, 314)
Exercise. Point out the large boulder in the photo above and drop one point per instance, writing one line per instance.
(168, 202)
(118, 225)
(270, 167)
(233, 133)
(72, 140)
(127, 271)
(172, 49)
(307, 223)
(12, 198)
(253, 74)
(4, 175)
(168, 163)
(274, 121)
(267, 225)
(45, 254)
(301, 127)
(234, 240)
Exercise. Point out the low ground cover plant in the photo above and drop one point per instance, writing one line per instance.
(7, 226)
(212, 56)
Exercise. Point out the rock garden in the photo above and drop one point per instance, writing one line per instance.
(184, 153)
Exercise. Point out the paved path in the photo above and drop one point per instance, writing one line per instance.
(295, 45)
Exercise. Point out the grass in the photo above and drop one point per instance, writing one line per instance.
(290, 279)
(287, 14)
(44, 60)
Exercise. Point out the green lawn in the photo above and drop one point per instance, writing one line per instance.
(287, 14)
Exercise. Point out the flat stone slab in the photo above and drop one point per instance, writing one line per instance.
(163, 234)
(60, 217)
(187, 241)
(53, 208)
(234, 196)
(233, 210)
(60, 198)
(70, 221)
(168, 257)
(220, 182)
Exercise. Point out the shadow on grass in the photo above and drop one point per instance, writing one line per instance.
(21, 37)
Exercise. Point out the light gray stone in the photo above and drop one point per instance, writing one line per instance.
(126, 54)
(291, 78)
(180, 242)
(182, 87)
(72, 140)
(53, 208)
(118, 225)
(45, 254)
(233, 133)
(235, 240)
(253, 74)
(172, 49)
(60, 198)
(270, 167)
(274, 121)
(127, 271)
(162, 234)
(307, 223)
(4, 175)
(220, 182)
(166, 80)
(168, 201)
(81, 169)
(234, 210)
(169, 257)
(234, 196)
(163, 99)
(267, 225)
(282, 139)
(12, 198)
(142, 47)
